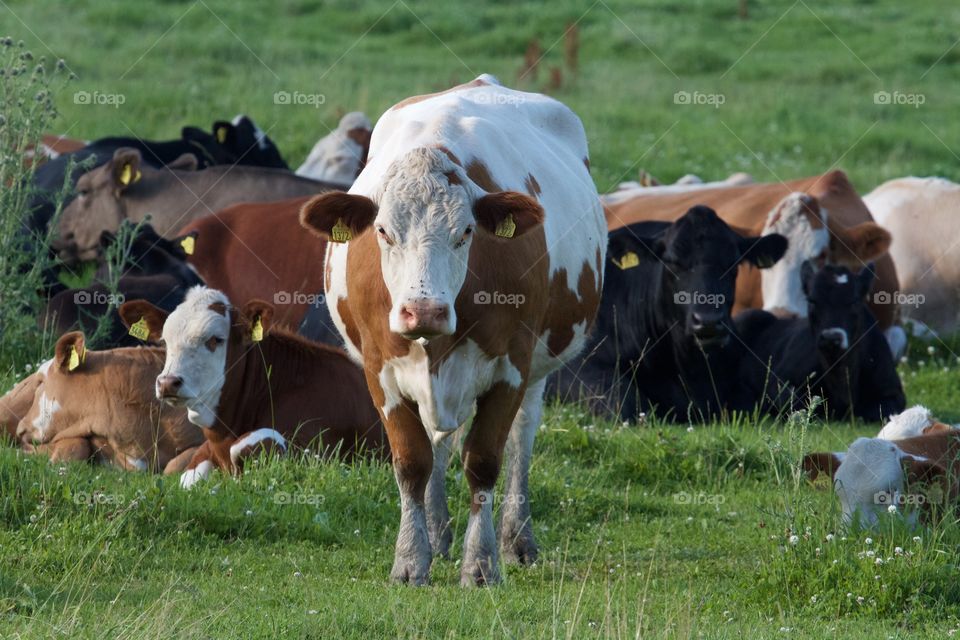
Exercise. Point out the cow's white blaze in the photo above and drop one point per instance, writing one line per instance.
(907, 424)
(781, 284)
(336, 157)
(425, 227)
(47, 408)
(186, 333)
(870, 479)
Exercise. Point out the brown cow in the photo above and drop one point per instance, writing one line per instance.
(84, 404)
(125, 188)
(250, 387)
(259, 250)
(855, 238)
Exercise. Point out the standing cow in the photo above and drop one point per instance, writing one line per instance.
(466, 268)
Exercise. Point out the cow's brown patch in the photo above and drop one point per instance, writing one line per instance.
(570, 307)
(478, 172)
(460, 87)
(450, 154)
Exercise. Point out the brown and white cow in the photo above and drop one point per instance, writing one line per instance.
(250, 385)
(85, 404)
(339, 156)
(922, 215)
(468, 269)
(855, 239)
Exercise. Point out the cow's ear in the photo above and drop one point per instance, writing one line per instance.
(186, 244)
(185, 162)
(865, 280)
(507, 214)
(937, 485)
(143, 320)
(125, 167)
(855, 245)
(256, 319)
(70, 352)
(626, 250)
(763, 251)
(807, 274)
(821, 462)
(936, 427)
(338, 216)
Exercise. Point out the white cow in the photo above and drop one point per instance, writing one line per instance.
(339, 156)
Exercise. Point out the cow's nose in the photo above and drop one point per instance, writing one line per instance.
(169, 386)
(424, 318)
(833, 339)
(708, 327)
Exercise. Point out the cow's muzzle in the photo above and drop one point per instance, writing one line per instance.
(168, 388)
(833, 341)
(709, 331)
(425, 319)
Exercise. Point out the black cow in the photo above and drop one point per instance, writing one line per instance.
(155, 269)
(240, 142)
(663, 335)
(837, 353)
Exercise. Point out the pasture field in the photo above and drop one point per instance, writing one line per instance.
(656, 530)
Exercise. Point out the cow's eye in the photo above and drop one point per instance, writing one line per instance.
(383, 234)
(214, 342)
(463, 239)
(83, 193)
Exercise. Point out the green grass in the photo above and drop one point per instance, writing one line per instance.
(626, 551)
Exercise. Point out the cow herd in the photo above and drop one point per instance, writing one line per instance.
(455, 264)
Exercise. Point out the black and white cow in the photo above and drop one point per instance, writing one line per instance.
(663, 336)
(837, 353)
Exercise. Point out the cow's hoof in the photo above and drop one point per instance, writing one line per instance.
(519, 548)
(406, 573)
(480, 575)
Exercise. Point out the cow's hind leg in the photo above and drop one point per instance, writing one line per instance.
(516, 531)
(482, 454)
(438, 514)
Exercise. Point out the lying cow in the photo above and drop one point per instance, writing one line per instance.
(837, 353)
(465, 268)
(914, 475)
(259, 250)
(855, 239)
(98, 405)
(155, 270)
(647, 185)
(127, 189)
(252, 386)
(662, 339)
(339, 156)
(238, 142)
(922, 215)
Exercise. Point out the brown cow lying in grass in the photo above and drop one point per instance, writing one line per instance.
(97, 405)
(252, 386)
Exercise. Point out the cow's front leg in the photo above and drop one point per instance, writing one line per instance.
(516, 531)
(254, 443)
(438, 514)
(200, 467)
(412, 463)
(482, 454)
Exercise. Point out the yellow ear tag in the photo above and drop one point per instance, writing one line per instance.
(507, 227)
(140, 330)
(74, 359)
(256, 334)
(340, 232)
(188, 245)
(629, 260)
(221, 134)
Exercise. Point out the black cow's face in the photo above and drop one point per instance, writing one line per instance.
(835, 296)
(150, 254)
(700, 255)
(240, 141)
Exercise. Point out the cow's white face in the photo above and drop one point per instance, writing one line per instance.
(781, 284)
(196, 336)
(869, 480)
(424, 228)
